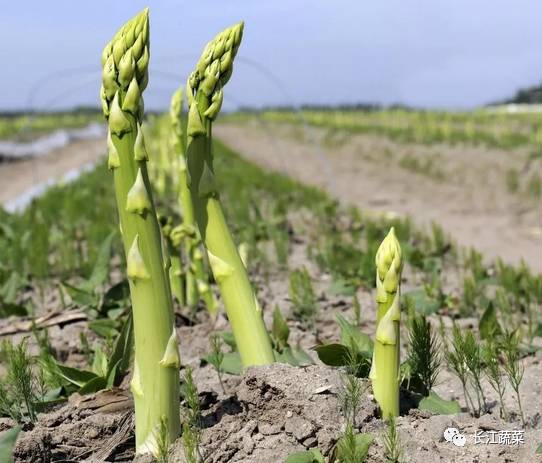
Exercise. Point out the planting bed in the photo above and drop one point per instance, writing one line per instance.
(268, 413)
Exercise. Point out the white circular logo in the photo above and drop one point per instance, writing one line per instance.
(455, 437)
(459, 440)
(449, 433)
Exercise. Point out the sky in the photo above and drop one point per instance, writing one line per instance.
(454, 54)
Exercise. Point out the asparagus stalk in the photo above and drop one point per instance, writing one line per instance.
(155, 382)
(197, 281)
(385, 374)
(204, 94)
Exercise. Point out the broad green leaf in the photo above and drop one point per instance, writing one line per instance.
(94, 385)
(231, 363)
(302, 357)
(7, 442)
(539, 449)
(342, 287)
(308, 456)
(99, 363)
(334, 355)
(280, 330)
(75, 376)
(436, 404)
(9, 290)
(351, 333)
(117, 293)
(80, 296)
(423, 304)
(104, 327)
(122, 350)
(227, 337)
(362, 442)
(100, 272)
(489, 325)
(112, 375)
(9, 309)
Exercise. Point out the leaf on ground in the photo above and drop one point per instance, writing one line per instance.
(436, 404)
(100, 272)
(539, 449)
(94, 385)
(351, 333)
(75, 376)
(489, 325)
(362, 443)
(423, 304)
(122, 349)
(334, 355)
(280, 330)
(308, 456)
(9, 309)
(231, 363)
(342, 287)
(7, 442)
(104, 327)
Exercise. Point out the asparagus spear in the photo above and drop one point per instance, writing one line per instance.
(197, 282)
(155, 382)
(385, 374)
(204, 94)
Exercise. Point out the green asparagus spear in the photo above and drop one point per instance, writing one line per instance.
(385, 372)
(155, 382)
(197, 281)
(204, 93)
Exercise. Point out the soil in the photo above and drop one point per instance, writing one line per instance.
(464, 190)
(269, 412)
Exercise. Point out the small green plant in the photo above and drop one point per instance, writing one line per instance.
(494, 372)
(512, 180)
(20, 390)
(356, 308)
(392, 444)
(423, 355)
(280, 332)
(513, 367)
(191, 418)
(534, 187)
(352, 447)
(162, 442)
(465, 358)
(304, 305)
(352, 388)
(216, 357)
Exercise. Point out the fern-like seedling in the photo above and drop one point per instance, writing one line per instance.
(216, 357)
(192, 418)
(424, 357)
(392, 444)
(513, 368)
(494, 373)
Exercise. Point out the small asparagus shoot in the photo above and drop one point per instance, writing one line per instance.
(385, 369)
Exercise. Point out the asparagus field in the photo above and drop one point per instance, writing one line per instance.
(316, 286)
